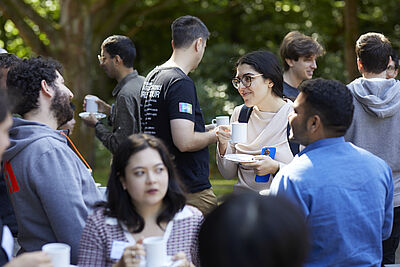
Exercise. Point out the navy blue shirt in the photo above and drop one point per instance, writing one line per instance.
(290, 91)
(168, 94)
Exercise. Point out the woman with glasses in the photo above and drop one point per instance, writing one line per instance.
(260, 83)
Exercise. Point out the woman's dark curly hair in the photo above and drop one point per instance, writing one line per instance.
(119, 204)
(24, 82)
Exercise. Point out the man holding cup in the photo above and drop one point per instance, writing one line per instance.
(171, 111)
(117, 56)
(50, 188)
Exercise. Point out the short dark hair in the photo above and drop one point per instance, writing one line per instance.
(332, 101)
(374, 50)
(296, 44)
(119, 204)
(4, 107)
(253, 230)
(186, 29)
(395, 58)
(8, 60)
(266, 64)
(122, 46)
(24, 82)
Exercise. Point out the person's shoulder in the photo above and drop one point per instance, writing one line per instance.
(369, 158)
(97, 215)
(189, 213)
(47, 141)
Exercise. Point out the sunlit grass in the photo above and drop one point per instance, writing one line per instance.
(220, 186)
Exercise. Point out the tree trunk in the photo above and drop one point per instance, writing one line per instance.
(351, 35)
(77, 59)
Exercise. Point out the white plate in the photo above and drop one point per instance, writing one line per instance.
(240, 157)
(98, 115)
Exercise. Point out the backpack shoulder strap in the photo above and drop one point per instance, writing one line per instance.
(295, 148)
(245, 113)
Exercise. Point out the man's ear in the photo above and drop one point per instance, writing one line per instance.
(359, 65)
(314, 124)
(118, 59)
(199, 44)
(46, 89)
(173, 44)
(289, 62)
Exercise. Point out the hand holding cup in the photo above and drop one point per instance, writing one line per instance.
(223, 134)
(132, 255)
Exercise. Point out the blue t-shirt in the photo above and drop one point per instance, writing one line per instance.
(346, 194)
(168, 94)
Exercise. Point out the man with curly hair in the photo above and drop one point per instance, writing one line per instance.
(7, 60)
(51, 190)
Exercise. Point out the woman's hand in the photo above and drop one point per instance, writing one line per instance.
(180, 260)
(132, 255)
(31, 259)
(263, 165)
(224, 133)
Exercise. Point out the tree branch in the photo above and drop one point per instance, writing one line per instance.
(98, 5)
(146, 23)
(26, 10)
(12, 12)
(113, 21)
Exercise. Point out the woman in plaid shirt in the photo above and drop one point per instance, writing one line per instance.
(144, 199)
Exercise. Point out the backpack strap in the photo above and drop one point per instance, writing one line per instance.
(245, 113)
(295, 148)
(244, 116)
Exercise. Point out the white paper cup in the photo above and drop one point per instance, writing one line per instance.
(239, 132)
(91, 105)
(221, 120)
(59, 253)
(156, 251)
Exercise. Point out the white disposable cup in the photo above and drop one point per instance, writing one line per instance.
(59, 254)
(91, 105)
(239, 132)
(221, 120)
(156, 251)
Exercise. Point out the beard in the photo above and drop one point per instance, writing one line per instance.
(61, 108)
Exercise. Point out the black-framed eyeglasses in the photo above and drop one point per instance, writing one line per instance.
(101, 59)
(245, 80)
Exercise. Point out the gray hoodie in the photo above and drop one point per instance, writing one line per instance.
(51, 190)
(376, 122)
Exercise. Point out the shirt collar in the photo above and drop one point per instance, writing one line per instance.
(126, 79)
(321, 143)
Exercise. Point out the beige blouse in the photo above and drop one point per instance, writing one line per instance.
(263, 129)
